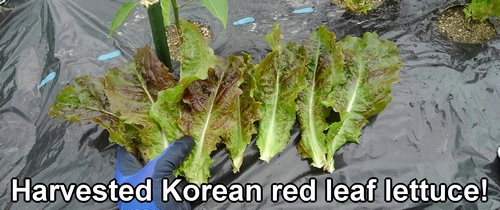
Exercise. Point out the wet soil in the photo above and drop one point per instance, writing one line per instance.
(452, 24)
(174, 42)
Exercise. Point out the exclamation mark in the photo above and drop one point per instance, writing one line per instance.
(484, 187)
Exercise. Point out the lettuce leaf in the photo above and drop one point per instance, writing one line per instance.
(166, 112)
(280, 76)
(133, 90)
(325, 70)
(85, 100)
(196, 55)
(121, 103)
(358, 6)
(207, 113)
(371, 68)
(247, 112)
(482, 9)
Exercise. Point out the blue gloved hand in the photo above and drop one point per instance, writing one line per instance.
(130, 171)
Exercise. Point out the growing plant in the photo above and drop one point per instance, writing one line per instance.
(359, 6)
(482, 9)
(159, 16)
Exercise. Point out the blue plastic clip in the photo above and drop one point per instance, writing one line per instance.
(109, 55)
(244, 21)
(304, 10)
(48, 78)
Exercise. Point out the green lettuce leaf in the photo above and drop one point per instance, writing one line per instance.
(482, 9)
(153, 140)
(133, 90)
(207, 114)
(324, 72)
(371, 68)
(247, 112)
(274, 37)
(166, 112)
(85, 100)
(196, 55)
(358, 6)
(280, 76)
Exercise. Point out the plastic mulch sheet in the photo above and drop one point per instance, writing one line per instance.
(442, 125)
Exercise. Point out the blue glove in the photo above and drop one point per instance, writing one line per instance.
(130, 171)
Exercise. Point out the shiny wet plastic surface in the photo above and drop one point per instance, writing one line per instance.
(442, 125)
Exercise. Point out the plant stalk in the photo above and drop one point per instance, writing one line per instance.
(159, 35)
(176, 17)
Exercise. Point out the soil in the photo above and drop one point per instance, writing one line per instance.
(374, 3)
(174, 42)
(453, 25)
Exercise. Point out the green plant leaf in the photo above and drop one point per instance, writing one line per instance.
(274, 37)
(371, 68)
(85, 100)
(128, 93)
(166, 111)
(207, 114)
(358, 6)
(247, 112)
(133, 90)
(121, 15)
(482, 9)
(218, 8)
(280, 76)
(197, 57)
(153, 140)
(165, 11)
(324, 72)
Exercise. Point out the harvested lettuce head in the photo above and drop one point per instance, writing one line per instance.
(325, 70)
(281, 77)
(218, 100)
(371, 68)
